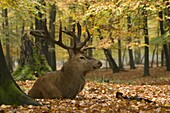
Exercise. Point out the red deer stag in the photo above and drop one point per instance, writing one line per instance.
(70, 80)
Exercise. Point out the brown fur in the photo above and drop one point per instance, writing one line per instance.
(67, 82)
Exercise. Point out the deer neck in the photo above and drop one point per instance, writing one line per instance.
(70, 71)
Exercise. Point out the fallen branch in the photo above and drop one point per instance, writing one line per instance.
(120, 95)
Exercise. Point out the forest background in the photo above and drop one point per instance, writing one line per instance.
(123, 32)
(121, 24)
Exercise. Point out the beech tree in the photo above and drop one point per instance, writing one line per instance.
(52, 57)
(5, 26)
(165, 46)
(10, 92)
(146, 38)
(131, 60)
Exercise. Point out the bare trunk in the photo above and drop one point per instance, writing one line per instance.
(111, 61)
(162, 58)
(131, 59)
(146, 38)
(152, 61)
(52, 54)
(40, 25)
(165, 47)
(137, 52)
(109, 57)
(157, 56)
(6, 28)
(90, 51)
(120, 54)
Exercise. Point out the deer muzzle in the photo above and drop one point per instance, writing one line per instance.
(98, 65)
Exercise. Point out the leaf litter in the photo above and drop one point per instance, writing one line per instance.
(101, 98)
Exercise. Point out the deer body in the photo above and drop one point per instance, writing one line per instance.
(67, 82)
(70, 80)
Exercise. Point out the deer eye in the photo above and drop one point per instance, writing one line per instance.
(83, 58)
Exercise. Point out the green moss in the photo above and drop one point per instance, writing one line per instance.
(37, 64)
(25, 74)
(10, 94)
(41, 66)
(6, 93)
(17, 71)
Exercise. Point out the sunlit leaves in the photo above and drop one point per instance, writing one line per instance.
(105, 43)
(109, 15)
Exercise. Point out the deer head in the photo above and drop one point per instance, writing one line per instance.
(77, 59)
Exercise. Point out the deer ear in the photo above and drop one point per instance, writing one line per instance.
(71, 53)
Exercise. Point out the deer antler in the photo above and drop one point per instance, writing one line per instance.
(75, 48)
(87, 39)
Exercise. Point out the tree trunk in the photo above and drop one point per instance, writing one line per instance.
(52, 56)
(162, 57)
(90, 51)
(111, 61)
(109, 57)
(40, 25)
(146, 38)
(152, 61)
(124, 60)
(137, 52)
(131, 59)
(157, 56)
(120, 54)
(23, 28)
(32, 61)
(167, 14)
(5, 26)
(165, 47)
(10, 93)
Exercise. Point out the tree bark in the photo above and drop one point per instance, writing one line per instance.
(5, 27)
(10, 93)
(40, 25)
(152, 61)
(162, 57)
(32, 61)
(111, 61)
(157, 56)
(137, 54)
(165, 47)
(109, 57)
(131, 59)
(23, 28)
(90, 51)
(120, 54)
(146, 38)
(52, 54)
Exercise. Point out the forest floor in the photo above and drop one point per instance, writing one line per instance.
(158, 76)
(99, 94)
